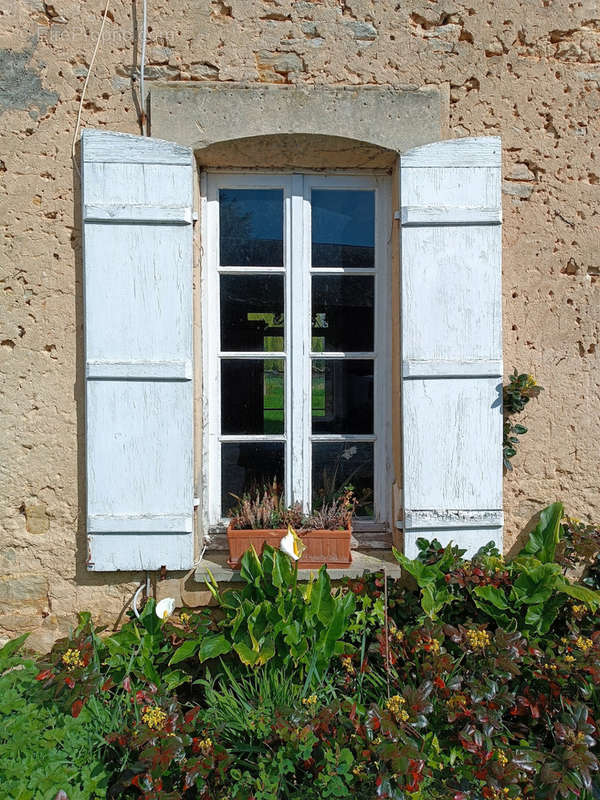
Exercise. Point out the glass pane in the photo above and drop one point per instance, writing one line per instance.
(342, 313)
(343, 228)
(252, 396)
(252, 313)
(247, 466)
(342, 396)
(251, 227)
(336, 465)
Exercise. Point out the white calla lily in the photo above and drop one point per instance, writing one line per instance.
(292, 545)
(165, 607)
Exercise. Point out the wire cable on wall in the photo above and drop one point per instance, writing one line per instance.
(143, 119)
(87, 78)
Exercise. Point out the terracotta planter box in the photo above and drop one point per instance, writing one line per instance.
(322, 547)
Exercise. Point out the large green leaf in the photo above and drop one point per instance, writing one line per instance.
(579, 592)
(337, 625)
(257, 625)
(433, 599)
(148, 617)
(11, 647)
(213, 646)
(284, 574)
(251, 570)
(423, 574)
(541, 616)
(321, 601)
(544, 537)
(536, 585)
(493, 595)
(247, 655)
(187, 650)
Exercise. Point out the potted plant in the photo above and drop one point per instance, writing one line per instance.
(261, 517)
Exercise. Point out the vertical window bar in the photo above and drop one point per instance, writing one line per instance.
(299, 446)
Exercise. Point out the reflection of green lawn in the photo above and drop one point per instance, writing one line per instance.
(273, 400)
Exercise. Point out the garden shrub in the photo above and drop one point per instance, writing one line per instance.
(478, 681)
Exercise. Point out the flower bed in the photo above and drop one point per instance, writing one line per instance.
(477, 680)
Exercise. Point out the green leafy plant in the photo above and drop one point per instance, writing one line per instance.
(274, 618)
(516, 394)
(527, 593)
(477, 680)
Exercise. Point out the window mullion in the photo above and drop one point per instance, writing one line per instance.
(298, 446)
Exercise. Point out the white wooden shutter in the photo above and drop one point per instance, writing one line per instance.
(137, 215)
(450, 212)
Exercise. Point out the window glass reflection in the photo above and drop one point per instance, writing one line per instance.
(251, 227)
(343, 228)
(252, 396)
(247, 466)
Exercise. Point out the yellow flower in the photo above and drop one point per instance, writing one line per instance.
(185, 617)
(478, 639)
(501, 758)
(310, 702)
(348, 665)
(569, 658)
(358, 770)
(154, 717)
(434, 647)
(205, 746)
(456, 701)
(396, 705)
(584, 644)
(72, 658)
(578, 611)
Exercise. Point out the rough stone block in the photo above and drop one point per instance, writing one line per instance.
(36, 517)
(24, 590)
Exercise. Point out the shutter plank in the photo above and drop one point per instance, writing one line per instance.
(137, 210)
(450, 214)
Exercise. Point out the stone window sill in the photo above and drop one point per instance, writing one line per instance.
(362, 562)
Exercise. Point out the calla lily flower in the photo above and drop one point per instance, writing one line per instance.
(165, 607)
(292, 545)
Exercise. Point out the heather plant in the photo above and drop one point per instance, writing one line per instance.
(264, 509)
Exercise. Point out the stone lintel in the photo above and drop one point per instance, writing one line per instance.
(202, 114)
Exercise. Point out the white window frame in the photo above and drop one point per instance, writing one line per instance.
(297, 434)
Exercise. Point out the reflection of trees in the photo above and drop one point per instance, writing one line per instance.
(245, 224)
(235, 223)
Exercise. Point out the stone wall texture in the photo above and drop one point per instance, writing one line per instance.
(527, 71)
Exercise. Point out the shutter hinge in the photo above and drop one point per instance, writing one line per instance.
(397, 215)
(196, 502)
(194, 216)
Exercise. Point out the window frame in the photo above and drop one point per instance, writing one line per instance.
(297, 435)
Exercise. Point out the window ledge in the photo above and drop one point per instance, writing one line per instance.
(362, 562)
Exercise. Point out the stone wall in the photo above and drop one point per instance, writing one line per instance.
(528, 71)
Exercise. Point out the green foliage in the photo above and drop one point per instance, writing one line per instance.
(525, 594)
(516, 394)
(42, 749)
(275, 618)
(482, 683)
